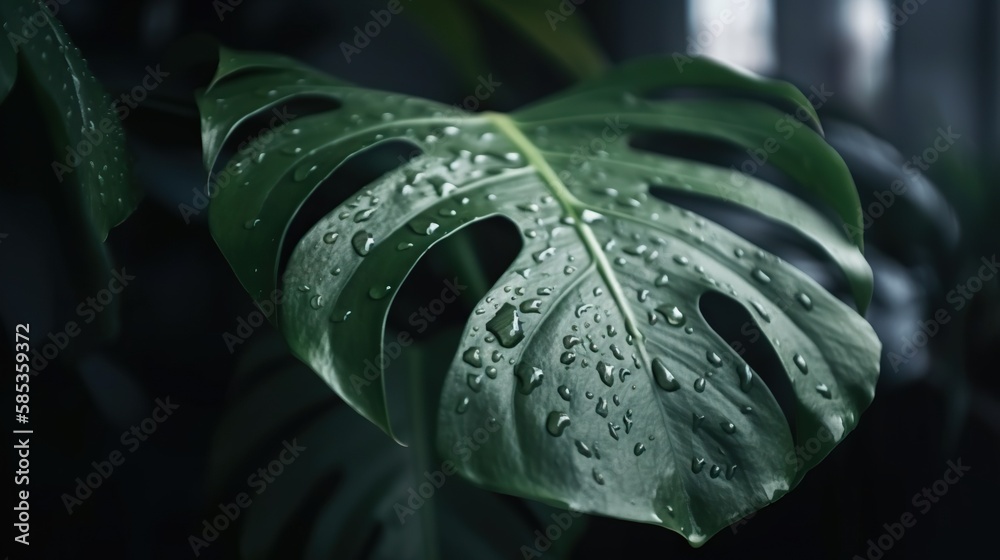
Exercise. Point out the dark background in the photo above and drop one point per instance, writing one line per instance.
(941, 69)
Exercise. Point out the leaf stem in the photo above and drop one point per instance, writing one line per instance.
(572, 206)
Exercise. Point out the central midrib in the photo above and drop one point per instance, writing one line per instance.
(572, 207)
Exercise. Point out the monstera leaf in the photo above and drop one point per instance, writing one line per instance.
(550, 25)
(616, 395)
(86, 182)
(363, 497)
(88, 138)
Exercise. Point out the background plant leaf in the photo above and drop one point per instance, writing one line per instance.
(79, 110)
(8, 69)
(564, 39)
(86, 184)
(347, 495)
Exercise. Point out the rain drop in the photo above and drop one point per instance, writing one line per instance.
(663, 377)
(713, 358)
(760, 276)
(339, 317)
(473, 357)
(423, 227)
(606, 373)
(506, 325)
(613, 430)
(800, 362)
(673, 315)
(564, 392)
(569, 341)
(544, 254)
(761, 311)
(363, 242)
(602, 407)
(746, 377)
(730, 472)
(528, 377)
(475, 382)
(379, 291)
(557, 423)
(531, 306)
(303, 171)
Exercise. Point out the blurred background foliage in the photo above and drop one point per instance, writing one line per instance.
(900, 72)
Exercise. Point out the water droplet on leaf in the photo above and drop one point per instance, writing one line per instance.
(473, 357)
(800, 363)
(663, 377)
(506, 325)
(363, 242)
(528, 377)
(606, 373)
(556, 423)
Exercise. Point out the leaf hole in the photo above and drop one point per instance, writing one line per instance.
(346, 181)
(772, 236)
(734, 324)
(473, 258)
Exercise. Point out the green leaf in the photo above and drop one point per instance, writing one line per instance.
(88, 139)
(561, 36)
(8, 68)
(452, 25)
(88, 183)
(352, 499)
(602, 298)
